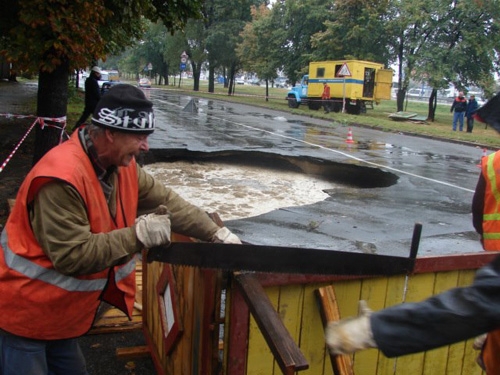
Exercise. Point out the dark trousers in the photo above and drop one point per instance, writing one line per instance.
(85, 115)
(25, 356)
(470, 124)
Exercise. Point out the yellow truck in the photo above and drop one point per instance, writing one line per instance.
(353, 84)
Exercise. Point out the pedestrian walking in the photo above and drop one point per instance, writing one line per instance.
(92, 95)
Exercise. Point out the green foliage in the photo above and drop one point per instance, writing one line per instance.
(44, 34)
(356, 30)
(300, 20)
(259, 48)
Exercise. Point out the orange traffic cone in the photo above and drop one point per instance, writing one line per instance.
(484, 155)
(349, 137)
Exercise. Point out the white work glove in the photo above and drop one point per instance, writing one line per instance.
(224, 235)
(478, 345)
(154, 229)
(352, 334)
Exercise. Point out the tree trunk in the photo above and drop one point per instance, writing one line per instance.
(196, 76)
(432, 105)
(211, 79)
(232, 73)
(52, 101)
(400, 99)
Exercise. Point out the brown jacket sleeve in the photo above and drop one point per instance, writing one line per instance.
(60, 223)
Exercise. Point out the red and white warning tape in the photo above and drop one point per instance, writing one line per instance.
(42, 122)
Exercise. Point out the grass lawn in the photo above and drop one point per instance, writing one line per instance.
(374, 118)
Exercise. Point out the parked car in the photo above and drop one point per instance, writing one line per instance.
(144, 82)
(240, 81)
(280, 82)
(254, 81)
(107, 85)
(418, 93)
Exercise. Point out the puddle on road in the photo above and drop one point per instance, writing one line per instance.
(238, 192)
(239, 185)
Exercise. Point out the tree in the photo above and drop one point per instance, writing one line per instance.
(299, 19)
(259, 49)
(356, 30)
(55, 38)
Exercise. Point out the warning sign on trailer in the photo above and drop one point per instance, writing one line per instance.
(344, 71)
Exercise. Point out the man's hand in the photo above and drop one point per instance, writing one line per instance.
(224, 235)
(154, 229)
(352, 334)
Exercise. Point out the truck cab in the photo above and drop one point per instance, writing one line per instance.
(298, 93)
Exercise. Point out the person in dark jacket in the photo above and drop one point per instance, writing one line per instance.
(92, 95)
(443, 319)
(459, 106)
(471, 109)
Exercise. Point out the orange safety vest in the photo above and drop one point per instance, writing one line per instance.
(491, 211)
(326, 92)
(491, 353)
(491, 241)
(37, 301)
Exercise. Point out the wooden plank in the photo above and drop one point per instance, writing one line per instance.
(374, 292)
(310, 343)
(260, 359)
(236, 331)
(133, 352)
(420, 287)
(286, 352)
(342, 364)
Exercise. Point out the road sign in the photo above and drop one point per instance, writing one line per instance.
(344, 71)
(183, 66)
(150, 66)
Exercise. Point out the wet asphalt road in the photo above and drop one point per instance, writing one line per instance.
(387, 181)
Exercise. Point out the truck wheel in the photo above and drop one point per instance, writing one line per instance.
(353, 109)
(292, 102)
(314, 104)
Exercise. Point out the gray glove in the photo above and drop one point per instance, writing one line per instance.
(154, 229)
(224, 235)
(352, 334)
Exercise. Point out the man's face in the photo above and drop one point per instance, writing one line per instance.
(125, 146)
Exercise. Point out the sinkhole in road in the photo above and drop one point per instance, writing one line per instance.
(244, 184)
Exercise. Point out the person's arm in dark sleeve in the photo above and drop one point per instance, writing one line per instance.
(478, 205)
(455, 315)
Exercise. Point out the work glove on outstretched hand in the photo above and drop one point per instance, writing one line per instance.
(154, 229)
(224, 235)
(352, 334)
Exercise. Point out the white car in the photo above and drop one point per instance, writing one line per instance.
(144, 82)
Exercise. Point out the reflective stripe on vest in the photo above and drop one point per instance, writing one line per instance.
(52, 277)
(491, 220)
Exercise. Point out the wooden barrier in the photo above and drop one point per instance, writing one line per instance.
(294, 297)
(181, 317)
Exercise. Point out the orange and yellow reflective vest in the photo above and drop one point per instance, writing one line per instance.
(491, 210)
(37, 301)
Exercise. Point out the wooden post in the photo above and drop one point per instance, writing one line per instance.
(286, 352)
(342, 364)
